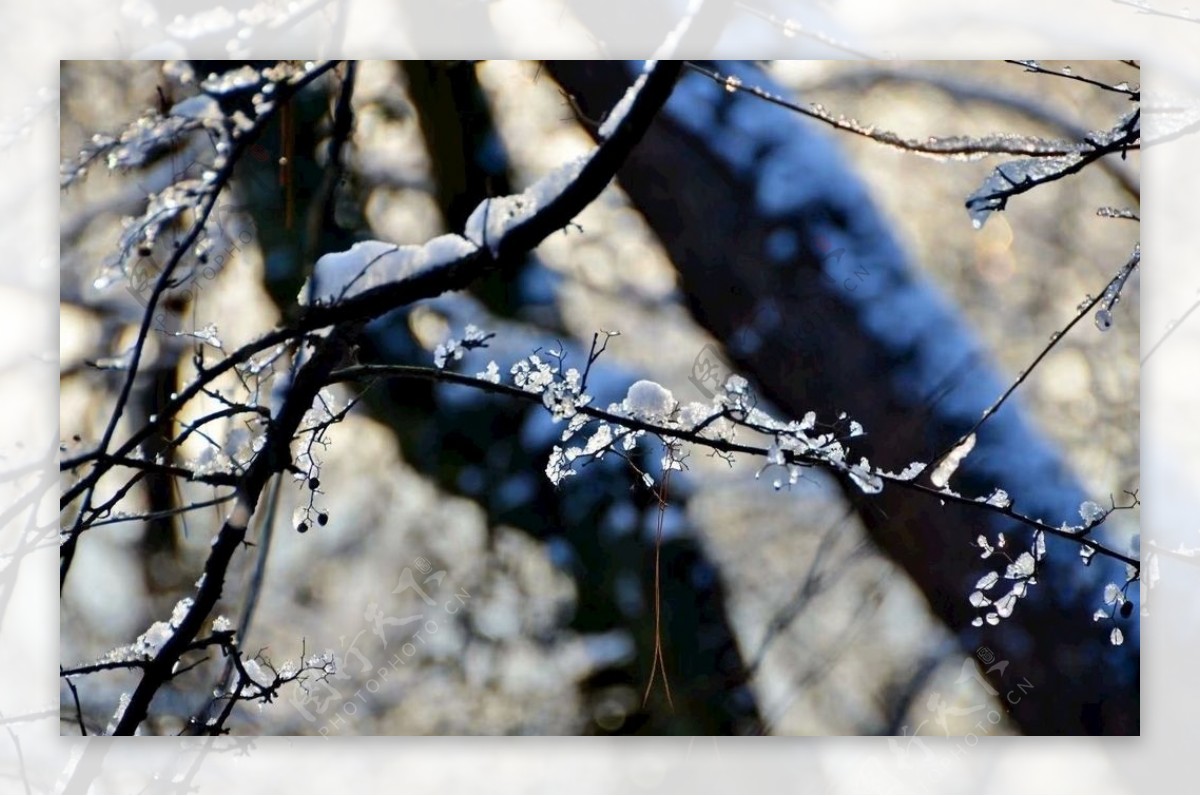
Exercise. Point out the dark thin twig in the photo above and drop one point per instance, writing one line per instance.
(158, 515)
(78, 708)
(804, 593)
(103, 666)
(1035, 67)
(1027, 372)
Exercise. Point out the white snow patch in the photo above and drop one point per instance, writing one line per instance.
(372, 263)
(492, 218)
(257, 674)
(649, 400)
(947, 466)
(617, 114)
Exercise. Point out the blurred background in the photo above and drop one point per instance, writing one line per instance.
(782, 616)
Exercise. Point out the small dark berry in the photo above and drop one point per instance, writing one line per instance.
(322, 518)
(1126, 609)
(314, 483)
(302, 527)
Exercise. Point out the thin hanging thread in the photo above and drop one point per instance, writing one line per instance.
(659, 662)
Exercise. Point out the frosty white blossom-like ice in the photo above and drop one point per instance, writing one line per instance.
(450, 350)
(988, 581)
(454, 348)
(150, 642)
(257, 674)
(1022, 571)
(369, 264)
(532, 374)
(775, 454)
(1116, 637)
(599, 441)
(558, 466)
(1091, 512)
(694, 414)
(563, 397)
(492, 373)
(865, 479)
(1023, 567)
(222, 624)
(948, 465)
(1005, 605)
(648, 400)
(999, 498)
(910, 472)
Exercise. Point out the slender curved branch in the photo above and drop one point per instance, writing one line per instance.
(946, 147)
(361, 372)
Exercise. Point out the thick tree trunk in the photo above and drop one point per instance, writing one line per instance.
(784, 258)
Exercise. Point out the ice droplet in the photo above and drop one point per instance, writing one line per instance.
(1104, 320)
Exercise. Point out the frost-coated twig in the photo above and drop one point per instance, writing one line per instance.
(1117, 281)
(222, 176)
(952, 146)
(1066, 72)
(274, 457)
(1077, 535)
